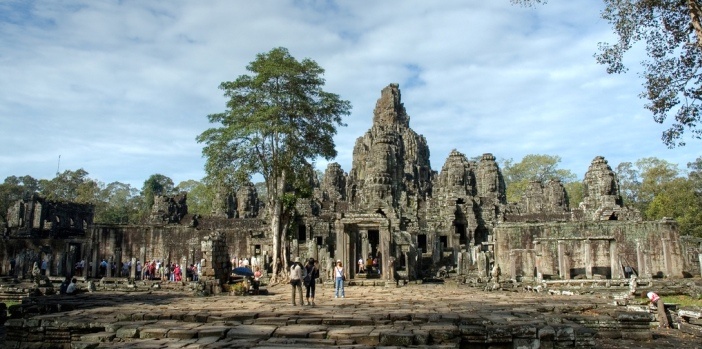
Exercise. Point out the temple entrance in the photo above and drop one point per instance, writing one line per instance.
(374, 242)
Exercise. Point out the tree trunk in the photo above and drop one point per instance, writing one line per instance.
(695, 17)
(279, 261)
(275, 232)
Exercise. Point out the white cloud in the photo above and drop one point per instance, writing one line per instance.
(122, 88)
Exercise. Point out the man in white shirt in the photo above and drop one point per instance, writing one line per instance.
(72, 287)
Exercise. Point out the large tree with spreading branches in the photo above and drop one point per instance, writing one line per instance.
(278, 120)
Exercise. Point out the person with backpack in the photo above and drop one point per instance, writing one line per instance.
(311, 275)
(296, 280)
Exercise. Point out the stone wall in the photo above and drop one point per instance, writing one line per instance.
(589, 250)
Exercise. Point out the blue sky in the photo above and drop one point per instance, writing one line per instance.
(122, 88)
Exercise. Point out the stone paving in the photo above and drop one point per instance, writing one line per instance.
(428, 315)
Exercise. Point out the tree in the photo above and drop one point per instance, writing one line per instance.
(120, 204)
(13, 189)
(533, 167)
(678, 199)
(629, 184)
(672, 33)
(277, 121)
(156, 184)
(71, 186)
(200, 196)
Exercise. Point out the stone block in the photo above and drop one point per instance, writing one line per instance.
(526, 343)
(153, 332)
(637, 335)
(127, 332)
(251, 331)
(498, 334)
(212, 331)
(182, 333)
(564, 333)
(396, 338)
(297, 331)
(100, 337)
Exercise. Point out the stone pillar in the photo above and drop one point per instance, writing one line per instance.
(665, 242)
(365, 245)
(616, 266)
(385, 242)
(512, 264)
(132, 270)
(640, 266)
(587, 245)
(108, 270)
(118, 261)
(142, 259)
(562, 261)
(342, 245)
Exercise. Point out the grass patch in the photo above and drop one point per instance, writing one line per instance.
(683, 301)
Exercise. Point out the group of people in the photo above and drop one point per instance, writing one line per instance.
(369, 265)
(308, 274)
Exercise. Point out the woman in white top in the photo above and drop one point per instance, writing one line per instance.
(339, 277)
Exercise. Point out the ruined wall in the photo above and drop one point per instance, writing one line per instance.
(590, 249)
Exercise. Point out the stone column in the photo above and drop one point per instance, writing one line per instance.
(699, 257)
(385, 242)
(512, 264)
(640, 266)
(587, 245)
(132, 270)
(108, 271)
(666, 255)
(616, 266)
(118, 261)
(365, 245)
(562, 263)
(342, 245)
(142, 256)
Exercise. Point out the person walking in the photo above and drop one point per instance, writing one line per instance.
(296, 280)
(311, 276)
(339, 278)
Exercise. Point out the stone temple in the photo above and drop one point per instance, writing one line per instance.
(391, 205)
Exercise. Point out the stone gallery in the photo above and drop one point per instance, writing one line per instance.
(392, 207)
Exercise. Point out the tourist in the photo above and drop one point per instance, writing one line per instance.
(256, 281)
(64, 285)
(44, 265)
(72, 287)
(311, 275)
(361, 265)
(339, 278)
(138, 270)
(178, 274)
(103, 268)
(296, 280)
(376, 266)
(166, 272)
(654, 299)
(369, 264)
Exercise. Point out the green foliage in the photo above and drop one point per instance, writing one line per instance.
(73, 186)
(156, 184)
(200, 196)
(672, 33)
(533, 167)
(277, 120)
(575, 192)
(121, 204)
(678, 199)
(13, 189)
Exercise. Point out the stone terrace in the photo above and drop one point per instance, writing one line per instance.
(428, 315)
